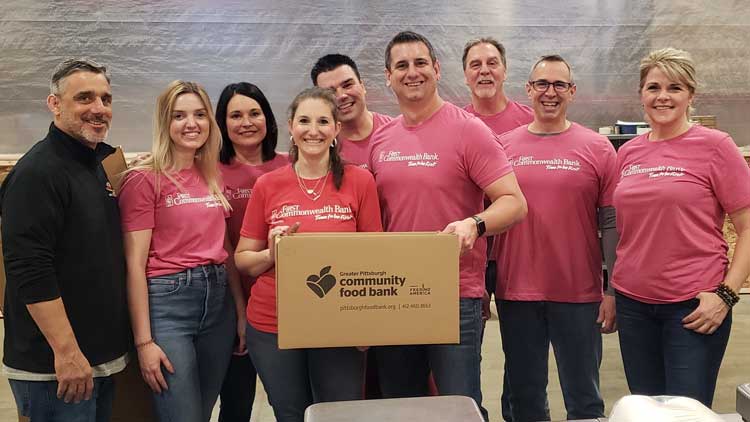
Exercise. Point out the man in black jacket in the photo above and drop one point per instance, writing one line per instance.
(66, 321)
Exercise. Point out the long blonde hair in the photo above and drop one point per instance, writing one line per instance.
(162, 160)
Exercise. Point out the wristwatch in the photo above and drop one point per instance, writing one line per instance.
(481, 228)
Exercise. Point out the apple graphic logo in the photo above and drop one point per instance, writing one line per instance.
(323, 283)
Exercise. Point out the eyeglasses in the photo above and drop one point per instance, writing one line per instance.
(541, 85)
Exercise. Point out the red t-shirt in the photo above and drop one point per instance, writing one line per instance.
(671, 200)
(554, 253)
(513, 116)
(239, 179)
(187, 223)
(277, 200)
(434, 174)
(358, 152)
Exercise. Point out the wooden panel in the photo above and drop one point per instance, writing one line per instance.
(4, 169)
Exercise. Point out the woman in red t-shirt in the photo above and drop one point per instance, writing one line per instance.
(180, 298)
(301, 197)
(674, 287)
(249, 134)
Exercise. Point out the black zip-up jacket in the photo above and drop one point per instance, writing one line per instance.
(62, 238)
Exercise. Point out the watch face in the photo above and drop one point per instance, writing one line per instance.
(480, 225)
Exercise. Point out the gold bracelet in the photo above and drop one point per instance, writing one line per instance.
(145, 343)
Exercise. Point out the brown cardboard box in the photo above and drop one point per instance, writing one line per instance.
(115, 165)
(133, 399)
(367, 289)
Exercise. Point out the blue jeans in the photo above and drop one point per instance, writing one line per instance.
(38, 401)
(527, 329)
(661, 357)
(297, 378)
(193, 321)
(456, 368)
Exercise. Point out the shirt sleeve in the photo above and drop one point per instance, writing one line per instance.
(254, 225)
(368, 217)
(484, 156)
(137, 201)
(607, 174)
(730, 176)
(223, 189)
(34, 204)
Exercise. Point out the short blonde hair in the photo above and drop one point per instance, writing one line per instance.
(676, 64)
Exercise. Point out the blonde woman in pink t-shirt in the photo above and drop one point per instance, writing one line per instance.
(180, 296)
(675, 289)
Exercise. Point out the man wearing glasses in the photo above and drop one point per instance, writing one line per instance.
(549, 288)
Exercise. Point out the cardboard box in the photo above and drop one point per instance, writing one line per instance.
(367, 289)
(133, 400)
(114, 166)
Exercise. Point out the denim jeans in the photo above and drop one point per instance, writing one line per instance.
(193, 321)
(238, 391)
(527, 329)
(456, 368)
(38, 401)
(297, 378)
(661, 357)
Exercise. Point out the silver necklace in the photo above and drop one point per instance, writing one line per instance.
(311, 192)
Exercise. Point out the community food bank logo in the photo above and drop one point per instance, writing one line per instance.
(356, 283)
(322, 283)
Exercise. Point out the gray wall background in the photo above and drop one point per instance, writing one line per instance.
(273, 43)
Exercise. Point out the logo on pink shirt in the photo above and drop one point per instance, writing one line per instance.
(420, 159)
(175, 200)
(549, 164)
(237, 193)
(653, 172)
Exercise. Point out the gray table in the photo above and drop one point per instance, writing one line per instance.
(432, 409)
(731, 417)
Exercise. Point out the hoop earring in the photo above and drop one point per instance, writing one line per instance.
(333, 144)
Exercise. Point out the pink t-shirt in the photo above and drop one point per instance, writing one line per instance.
(554, 253)
(187, 223)
(671, 200)
(358, 152)
(277, 200)
(513, 116)
(434, 174)
(239, 180)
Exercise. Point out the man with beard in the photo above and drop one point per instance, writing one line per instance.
(66, 321)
